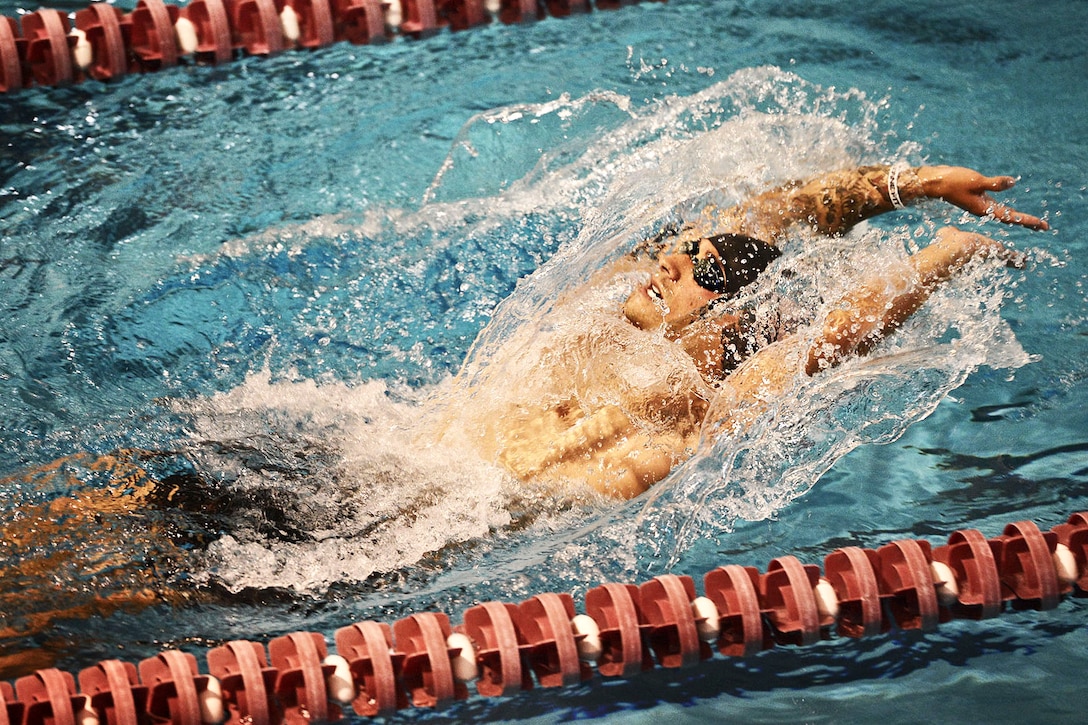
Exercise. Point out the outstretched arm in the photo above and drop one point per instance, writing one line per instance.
(835, 202)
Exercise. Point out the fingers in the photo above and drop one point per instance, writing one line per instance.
(1003, 213)
(1008, 215)
(1000, 183)
(974, 244)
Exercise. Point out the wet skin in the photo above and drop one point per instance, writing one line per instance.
(671, 296)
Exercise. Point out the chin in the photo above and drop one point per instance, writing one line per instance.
(642, 313)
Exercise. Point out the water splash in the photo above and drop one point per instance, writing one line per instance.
(588, 178)
(336, 484)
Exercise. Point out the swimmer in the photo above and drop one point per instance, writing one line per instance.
(621, 437)
(587, 414)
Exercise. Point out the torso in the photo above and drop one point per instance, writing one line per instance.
(592, 400)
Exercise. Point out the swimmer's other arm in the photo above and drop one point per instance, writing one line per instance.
(874, 310)
(880, 305)
(834, 203)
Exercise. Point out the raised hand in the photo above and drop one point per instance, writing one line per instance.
(968, 189)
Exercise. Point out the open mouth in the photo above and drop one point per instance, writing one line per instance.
(654, 294)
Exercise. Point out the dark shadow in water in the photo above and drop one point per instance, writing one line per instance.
(995, 490)
(999, 488)
(1004, 463)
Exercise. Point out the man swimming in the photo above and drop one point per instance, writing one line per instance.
(619, 423)
(616, 402)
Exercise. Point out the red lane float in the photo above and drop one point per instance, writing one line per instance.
(624, 652)
(1027, 568)
(211, 25)
(101, 23)
(464, 14)
(617, 4)
(359, 21)
(500, 648)
(114, 689)
(906, 578)
(971, 560)
(154, 41)
(790, 602)
(248, 683)
(420, 18)
(47, 54)
(12, 48)
(301, 686)
(11, 712)
(666, 602)
(368, 649)
(1073, 535)
(174, 687)
(427, 672)
(49, 696)
(315, 22)
(256, 26)
(545, 620)
(563, 8)
(518, 11)
(735, 591)
(851, 572)
(626, 629)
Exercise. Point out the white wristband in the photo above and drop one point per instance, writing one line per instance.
(893, 184)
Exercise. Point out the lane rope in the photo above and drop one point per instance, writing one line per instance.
(423, 661)
(100, 42)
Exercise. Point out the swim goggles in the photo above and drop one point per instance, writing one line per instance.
(707, 271)
(740, 260)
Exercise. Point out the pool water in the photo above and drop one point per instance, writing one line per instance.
(252, 281)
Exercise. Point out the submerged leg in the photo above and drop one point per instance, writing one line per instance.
(85, 536)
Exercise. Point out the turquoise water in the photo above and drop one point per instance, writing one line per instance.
(263, 270)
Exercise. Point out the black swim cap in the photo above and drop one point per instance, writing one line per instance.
(743, 258)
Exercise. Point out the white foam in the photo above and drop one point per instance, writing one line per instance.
(367, 495)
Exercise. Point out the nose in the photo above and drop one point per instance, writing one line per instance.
(673, 265)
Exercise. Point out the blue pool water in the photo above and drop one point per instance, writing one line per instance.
(263, 272)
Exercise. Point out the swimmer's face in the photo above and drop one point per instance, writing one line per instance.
(673, 294)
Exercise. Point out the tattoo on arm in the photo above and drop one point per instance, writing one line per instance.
(838, 201)
(831, 204)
